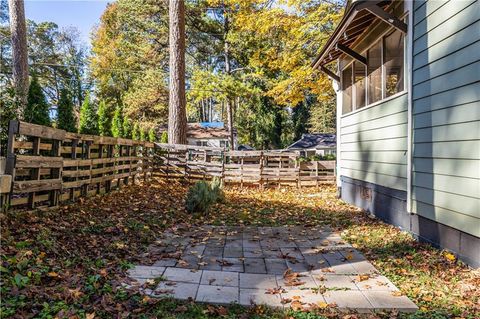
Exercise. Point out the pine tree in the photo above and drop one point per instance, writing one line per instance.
(104, 119)
(117, 122)
(136, 131)
(177, 117)
(88, 117)
(151, 135)
(65, 117)
(164, 137)
(19, 52)
(142, 135)
(127, 128)
(37, 110)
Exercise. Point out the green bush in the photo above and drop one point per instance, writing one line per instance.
(203, 194)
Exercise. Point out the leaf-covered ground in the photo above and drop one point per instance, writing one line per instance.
(70, 262)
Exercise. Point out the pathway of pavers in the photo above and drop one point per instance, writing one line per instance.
(277, 266)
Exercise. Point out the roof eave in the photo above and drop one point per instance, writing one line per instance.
(348, 17)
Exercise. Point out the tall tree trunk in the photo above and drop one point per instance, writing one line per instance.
(18, 29)
(226, 53)
(177, 114)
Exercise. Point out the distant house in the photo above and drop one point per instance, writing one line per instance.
(408, 116)
(245, 147)
(212, 134)
(315, 144)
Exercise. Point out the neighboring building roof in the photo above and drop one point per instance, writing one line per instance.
(353, 24)
(245, 147)
(203, 131)
(315, 141)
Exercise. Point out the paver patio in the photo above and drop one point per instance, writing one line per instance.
(245, 265)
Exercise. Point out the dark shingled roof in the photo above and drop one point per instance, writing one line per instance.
(315, 140)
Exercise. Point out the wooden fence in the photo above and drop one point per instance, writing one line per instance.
(243, 167)
(49, 165)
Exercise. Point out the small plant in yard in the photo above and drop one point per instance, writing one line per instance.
(204, 194)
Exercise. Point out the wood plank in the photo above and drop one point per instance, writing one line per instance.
(23, 161)
(36, 185)
(29, 145)
(76, 162)
(41, 131)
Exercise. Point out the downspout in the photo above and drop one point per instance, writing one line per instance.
(337, 87)
(409, 75)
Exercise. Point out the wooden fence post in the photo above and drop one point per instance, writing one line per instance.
(34, 172)
(55, 173)
(73, 155)
(108, 184)
(261, 171)
(13, 128)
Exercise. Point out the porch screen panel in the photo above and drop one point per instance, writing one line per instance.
(360, 94)
(394, 63)
(374, 61)
(347, 99)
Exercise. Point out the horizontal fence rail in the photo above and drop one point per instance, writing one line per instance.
(262, 168)
(46, 166)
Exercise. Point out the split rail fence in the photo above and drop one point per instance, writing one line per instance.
(48, 166)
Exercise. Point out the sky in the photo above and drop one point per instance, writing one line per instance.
(82, 14)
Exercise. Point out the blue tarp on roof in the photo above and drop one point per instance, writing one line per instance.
(212, 125)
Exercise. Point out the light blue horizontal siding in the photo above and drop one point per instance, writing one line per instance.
(450, 115)
(446, 113)
(453, 150)
(422, 11)
(447, 133)
(374, 144)
(449, 63)
(449, 99)
(463, 38)
(393, 157)
(465, 75)
(448, 26)
(441, 11)
(447, 166)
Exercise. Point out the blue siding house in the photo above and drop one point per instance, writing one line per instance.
(407, 76)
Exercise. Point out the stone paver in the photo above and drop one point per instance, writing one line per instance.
(219, 278)
(348, 299)
(222, 265)
(257, 281)
(182, 275)
(178, 290)
(336, 282)
(146, 272)
(381, 300)
(217, 294)
(259, 297)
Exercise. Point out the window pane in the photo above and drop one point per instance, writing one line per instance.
(394, 63)
(347, 90)
(359, 85)
(374, 58)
